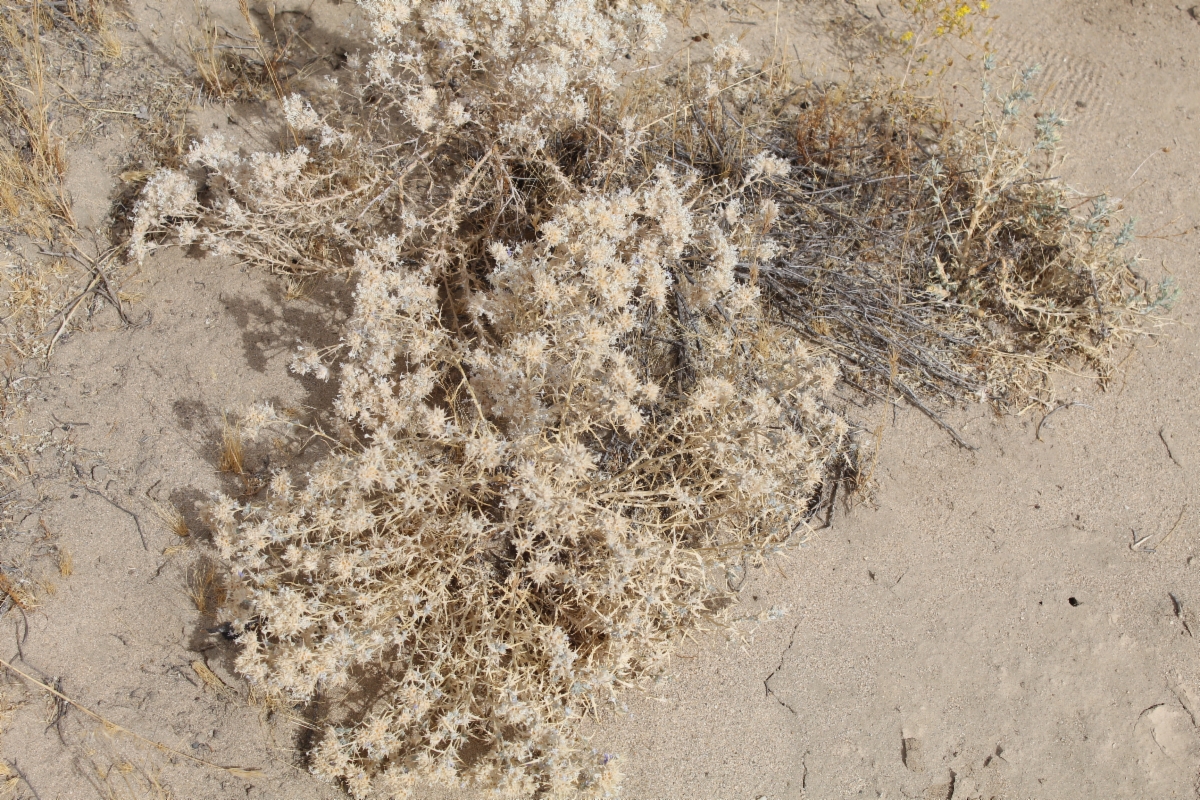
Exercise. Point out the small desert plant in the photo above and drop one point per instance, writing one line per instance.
(232, 456)
(16, 590)
(584, 379)
(66, 561)
(207, 586)
(171, 518)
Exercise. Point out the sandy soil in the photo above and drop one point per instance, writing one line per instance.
(1015, 622)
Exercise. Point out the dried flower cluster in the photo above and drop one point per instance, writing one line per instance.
(573, 393)
(265, 207)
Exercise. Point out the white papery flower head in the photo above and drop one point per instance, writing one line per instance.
(299, 114)
(768, 166)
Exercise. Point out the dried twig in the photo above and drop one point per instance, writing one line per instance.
(1038, 432)
(136, 520)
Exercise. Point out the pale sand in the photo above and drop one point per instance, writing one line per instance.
(931, 650)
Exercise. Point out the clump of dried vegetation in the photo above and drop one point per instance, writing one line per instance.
(57, 91)
(33, 165)
(33, 161)
(32, 157)
(600, 308)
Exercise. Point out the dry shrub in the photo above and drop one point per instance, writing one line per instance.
(581, 387)
(540, 513)
(944, 261)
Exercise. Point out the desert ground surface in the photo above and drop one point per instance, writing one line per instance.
(1020, 621)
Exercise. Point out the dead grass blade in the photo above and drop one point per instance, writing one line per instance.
(240, 772)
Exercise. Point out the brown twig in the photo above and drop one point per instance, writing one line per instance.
(1038, 433)
(136, 520)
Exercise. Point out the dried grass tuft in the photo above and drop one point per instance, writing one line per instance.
(227, 70)
(33, 159)
(207, 586)
(232, 456)
(17, 592)
(66, 561)
(32, 154)
(230, 69)
(171, 518)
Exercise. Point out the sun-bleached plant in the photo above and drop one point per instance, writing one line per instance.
(537, 512)
(569, 421)
(584, 381)
(262, 207)
(443, 77)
